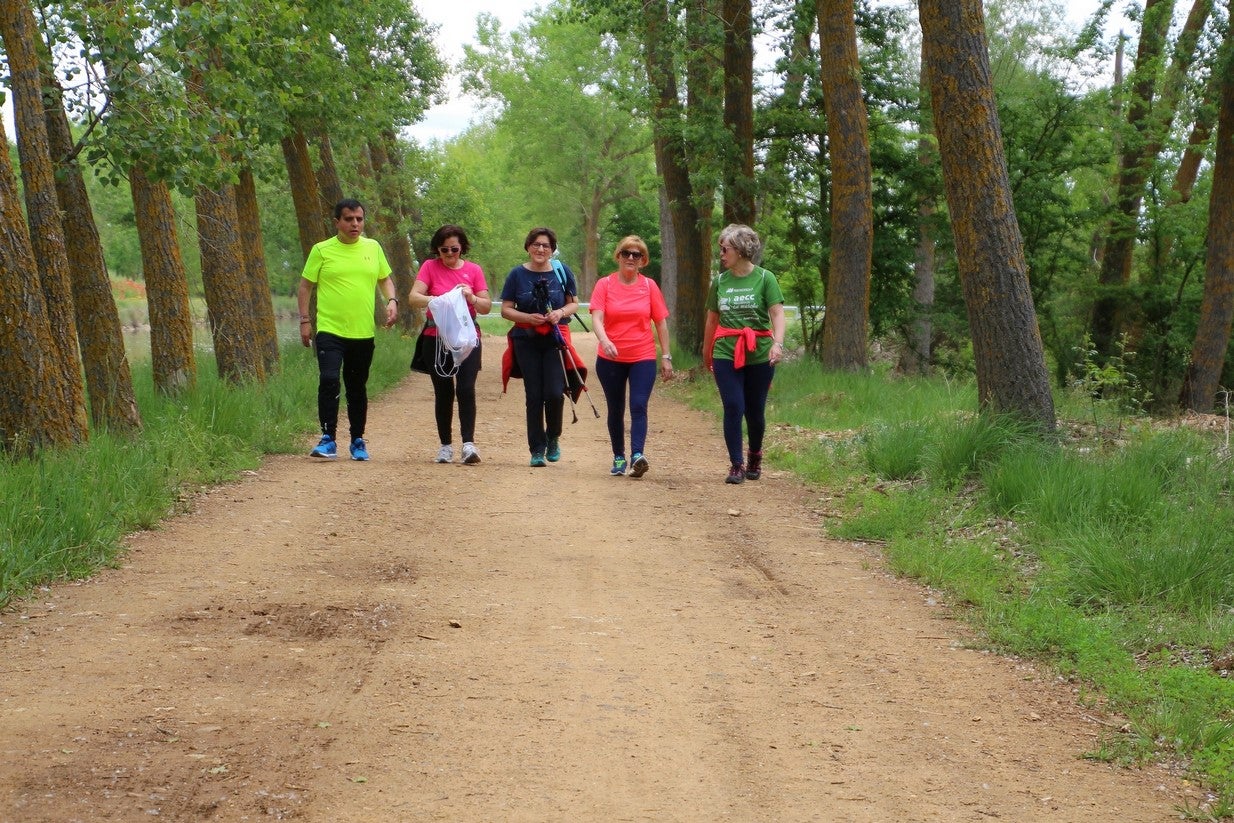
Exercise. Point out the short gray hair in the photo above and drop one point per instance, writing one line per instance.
(743, 239)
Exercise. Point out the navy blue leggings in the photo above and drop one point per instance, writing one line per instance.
(614, 376)
(544, 380)
(744, 395)
(349, 358)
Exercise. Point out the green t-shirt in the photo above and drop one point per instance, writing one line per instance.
(346, 275)
(742, 302)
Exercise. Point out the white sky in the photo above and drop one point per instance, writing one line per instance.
(457, 26)
(457, 21)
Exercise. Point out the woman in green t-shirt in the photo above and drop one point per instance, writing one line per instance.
(743, 340)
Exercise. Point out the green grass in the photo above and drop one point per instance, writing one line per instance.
(65, 513)
(1105, 552)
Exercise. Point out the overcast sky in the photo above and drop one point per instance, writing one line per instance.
(457, 21)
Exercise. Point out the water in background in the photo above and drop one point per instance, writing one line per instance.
(137, 341)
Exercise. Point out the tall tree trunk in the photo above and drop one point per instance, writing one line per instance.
(389, 221)
(586, 279)
(254, 250)
(305, 198)
(167, 292)
(668, 247)
(704, 114)
(109, 382)
(63, 380)
(845, 327)
(1116, 260)
(739, 111)
(917, 355)
(410, 319)
(31, 417)
(1007, 348)
(1212, 335)
(693, 276)
(328, 178)
(229, 302)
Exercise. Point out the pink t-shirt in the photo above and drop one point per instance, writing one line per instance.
(629, 312)
(440, 280)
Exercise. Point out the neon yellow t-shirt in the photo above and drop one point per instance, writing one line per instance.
(346, 275)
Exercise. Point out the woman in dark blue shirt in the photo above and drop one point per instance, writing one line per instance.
(537, 301)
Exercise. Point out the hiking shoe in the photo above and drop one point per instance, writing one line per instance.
(326, 448)
(445, 454)
(537, 460)
(639, 465)
(754, 465)
(470, 455)
(554, 451)
(619, 466)
(737, 474)
(359, 451)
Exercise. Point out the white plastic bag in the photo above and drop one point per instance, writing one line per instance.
(456, 333)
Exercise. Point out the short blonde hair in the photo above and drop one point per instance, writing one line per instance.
(628, 241)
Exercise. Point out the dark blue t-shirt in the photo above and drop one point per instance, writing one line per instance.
(526, 289)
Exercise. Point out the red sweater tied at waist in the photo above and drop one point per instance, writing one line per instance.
(746, 341)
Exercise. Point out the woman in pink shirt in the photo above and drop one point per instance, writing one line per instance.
(626, 307)
(438, 275)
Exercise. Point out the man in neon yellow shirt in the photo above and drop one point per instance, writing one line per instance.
(345, 270)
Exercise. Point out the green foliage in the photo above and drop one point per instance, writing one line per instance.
(1110, 383)
(896, 452)
(961, 448)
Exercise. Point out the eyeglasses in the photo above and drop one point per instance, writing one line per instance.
(724, 248)
(538, 246)
(632, 254)
(450, 249)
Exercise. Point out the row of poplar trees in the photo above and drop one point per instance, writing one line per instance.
(1010, 364)
(962, 134)
(190, 88)
(179, 94)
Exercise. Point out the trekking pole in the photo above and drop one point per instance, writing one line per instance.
(566, 375)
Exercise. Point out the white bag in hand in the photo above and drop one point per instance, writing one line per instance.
(456, 332)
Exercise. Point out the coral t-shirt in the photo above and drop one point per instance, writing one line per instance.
(629, 312)
(440, 279)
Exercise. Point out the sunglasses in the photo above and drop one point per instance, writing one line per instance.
(632, 254)
(450, 249)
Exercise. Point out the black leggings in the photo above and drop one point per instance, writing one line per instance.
(544, 380)
(350, 358)
(463, 386)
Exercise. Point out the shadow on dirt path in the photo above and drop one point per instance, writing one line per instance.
(400, 640)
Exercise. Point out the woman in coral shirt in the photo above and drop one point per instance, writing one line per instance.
(626, 307)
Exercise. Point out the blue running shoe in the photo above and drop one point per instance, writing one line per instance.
(554, 450)
(537, 460)
(619, 466)
(359, 450)
(639, 465)
(326, 448)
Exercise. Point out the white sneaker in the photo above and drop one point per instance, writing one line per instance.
(445, 454)
(470, 455)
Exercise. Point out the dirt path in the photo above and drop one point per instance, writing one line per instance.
(400, 640)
